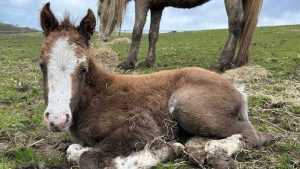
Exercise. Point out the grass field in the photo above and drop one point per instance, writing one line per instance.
(272, 85)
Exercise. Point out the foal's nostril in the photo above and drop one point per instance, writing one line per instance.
(52, 124)
(46, 117)
(67, 118)
(47, 114)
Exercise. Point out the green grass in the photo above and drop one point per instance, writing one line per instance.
(274, 48)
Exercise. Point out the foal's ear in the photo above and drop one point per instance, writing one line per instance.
(48, 20)
(87, 25)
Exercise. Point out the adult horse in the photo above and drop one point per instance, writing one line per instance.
(117, 115)
(242, 20)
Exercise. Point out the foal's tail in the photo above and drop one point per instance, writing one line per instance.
(252, 9)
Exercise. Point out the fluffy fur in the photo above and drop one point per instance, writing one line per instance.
(117, 115)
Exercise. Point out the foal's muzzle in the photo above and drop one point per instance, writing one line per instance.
(58, 122)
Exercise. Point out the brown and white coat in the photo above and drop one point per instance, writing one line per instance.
(121, 120)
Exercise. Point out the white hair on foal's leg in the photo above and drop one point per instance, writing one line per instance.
(74, 152)
(230, 145)
(142, 159)
(146, 158)
(243, 114)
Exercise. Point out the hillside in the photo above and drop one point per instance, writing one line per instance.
(8, 27)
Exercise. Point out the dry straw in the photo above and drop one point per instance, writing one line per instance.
(104, 55)
(259, 83)
(121, 40)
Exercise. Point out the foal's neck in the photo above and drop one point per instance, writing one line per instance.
(98, 78)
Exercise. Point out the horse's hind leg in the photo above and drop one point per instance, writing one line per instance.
(141, 9)
(212, 113)
(153, 37)
(218, 153)
(235, 14)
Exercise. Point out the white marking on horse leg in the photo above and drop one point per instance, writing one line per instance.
(230, 145)
(74, 152)
(243, 115)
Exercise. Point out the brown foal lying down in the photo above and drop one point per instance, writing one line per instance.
(137, 121)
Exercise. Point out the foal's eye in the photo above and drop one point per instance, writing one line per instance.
(83, 71)
(42, 66)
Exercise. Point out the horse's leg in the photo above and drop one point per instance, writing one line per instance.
(141, 9)
(235, 14)
(153, 37)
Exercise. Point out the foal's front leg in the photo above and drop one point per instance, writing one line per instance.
(146, 158)
(131, 135)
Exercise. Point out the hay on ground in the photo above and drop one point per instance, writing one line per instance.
(247, 73)
(122, 40)
(105, 55)
(259, 83)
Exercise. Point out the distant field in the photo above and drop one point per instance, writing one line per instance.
(8, 28)
(273, 88)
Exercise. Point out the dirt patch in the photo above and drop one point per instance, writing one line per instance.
(5, 103)
(42, 166)
(24, 88)
(4, 146)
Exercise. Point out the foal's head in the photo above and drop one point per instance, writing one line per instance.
(64, 64)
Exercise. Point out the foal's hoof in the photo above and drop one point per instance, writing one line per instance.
(195, 150)
(74, 152)
(126, 66)
(144, 64)
(220, 160)
(270, 138)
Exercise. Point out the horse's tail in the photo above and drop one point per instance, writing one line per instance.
(252, 9)
(111, 15)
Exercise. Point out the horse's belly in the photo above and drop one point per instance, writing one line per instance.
(186, 3)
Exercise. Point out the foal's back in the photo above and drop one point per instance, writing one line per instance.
(201, 101)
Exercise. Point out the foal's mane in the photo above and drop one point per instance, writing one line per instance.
(66, 23)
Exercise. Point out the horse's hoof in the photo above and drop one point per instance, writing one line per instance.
(221, 67)
(125, 66)
(216, 68)
(144, 64)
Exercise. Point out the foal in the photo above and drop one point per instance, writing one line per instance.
(116, 116)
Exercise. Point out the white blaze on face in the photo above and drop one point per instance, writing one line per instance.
(61, 67)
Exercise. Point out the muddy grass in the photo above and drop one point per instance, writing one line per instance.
(271, 80)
